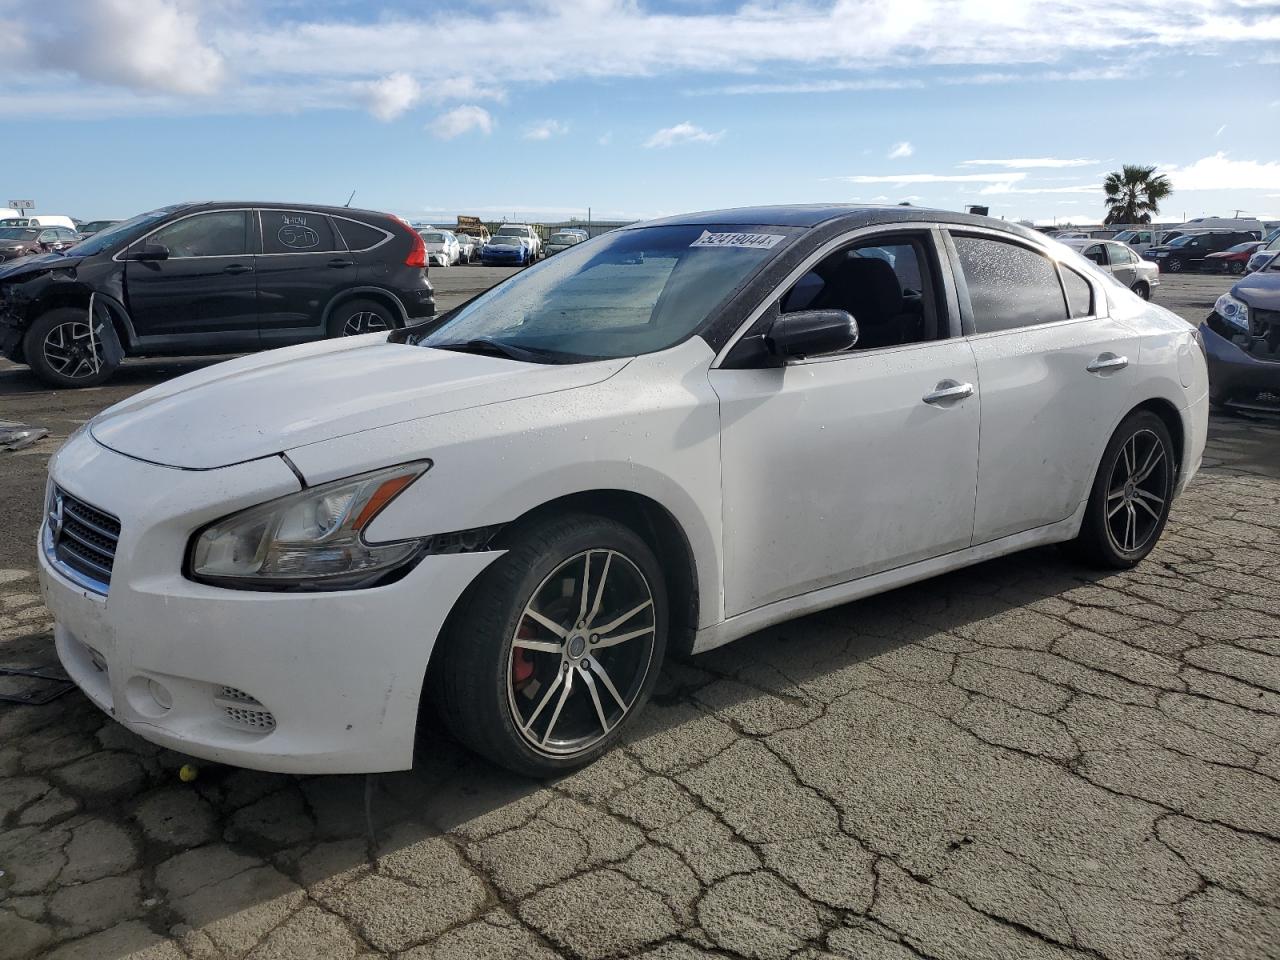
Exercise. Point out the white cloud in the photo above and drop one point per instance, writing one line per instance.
(545, 130)
(1028, 163)
(391, 96)
(1220, 172)
(460, 120)
(152, 46)
(684, 132)
(806, 86)
(906, 178)
(901, 150)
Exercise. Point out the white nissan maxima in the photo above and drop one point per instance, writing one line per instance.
(660, 440)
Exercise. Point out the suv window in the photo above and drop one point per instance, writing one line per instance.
(296, 231)
(220, 233)
(884, 283)
(1010, 286)
(359, 236)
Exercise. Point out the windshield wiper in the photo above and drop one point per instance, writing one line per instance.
(495, 348)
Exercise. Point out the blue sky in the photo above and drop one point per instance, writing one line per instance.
(636, 109)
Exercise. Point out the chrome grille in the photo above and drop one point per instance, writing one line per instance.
(81, 540)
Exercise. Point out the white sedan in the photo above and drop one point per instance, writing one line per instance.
(442, 247)
(1122, 262)
(659, 441)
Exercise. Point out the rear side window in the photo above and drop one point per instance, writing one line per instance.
(1010, 286)
(296, 231)
(1079, 293)
(1119, 254)
(359, 236)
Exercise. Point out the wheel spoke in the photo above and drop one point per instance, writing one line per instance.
(564, 695)
(1131, 455)
(604, 575)
(551, 625)
(595, 696)
(598, 668)
(1147, 507)
(1153, 461)
(1131, 528)
(540, 646)
(619, 621)
(621, 638)
(586, 588)
(546, 698)
(1148, 495)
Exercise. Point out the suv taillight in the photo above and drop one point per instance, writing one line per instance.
(418, 251)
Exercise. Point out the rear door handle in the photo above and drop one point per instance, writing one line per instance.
(948, 391)
(338, 263)
(236, 268)
(1107, 361)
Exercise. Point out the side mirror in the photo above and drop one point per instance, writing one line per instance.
(149, 251)
(811, 333)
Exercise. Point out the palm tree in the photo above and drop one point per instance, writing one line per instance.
(1134, 194)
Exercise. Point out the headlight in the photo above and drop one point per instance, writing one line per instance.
(1235, 312)
(313, 538)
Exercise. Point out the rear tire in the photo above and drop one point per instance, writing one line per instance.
(1131, 495)
(1173, 265)
(1237, 268)
(63, 352)
(541, 693)
(354, 317)
(1142, 289)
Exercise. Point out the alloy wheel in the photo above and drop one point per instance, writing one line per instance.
(1137, 491)
(366, 321)
(72, 350)
(582, 649)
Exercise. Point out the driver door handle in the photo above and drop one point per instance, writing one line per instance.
(236, 268)
(338, 262)
(1107, 361)
(948, 391)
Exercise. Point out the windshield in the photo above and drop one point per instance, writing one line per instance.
(1243, 247)
(125, 230)
(17, 233)
(1128, 236)
(1181, 241)
(621, 295)
(432, 237)
(512, 232)
(564, 238)
(501, 240)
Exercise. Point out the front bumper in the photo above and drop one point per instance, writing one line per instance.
(325, 682)
(1241, 367)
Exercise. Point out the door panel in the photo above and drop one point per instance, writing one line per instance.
(1046, 419)
(302, 267)
(836, 468)
(205, 289)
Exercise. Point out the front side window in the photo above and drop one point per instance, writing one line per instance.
(1096, 254)
(883, 283)
(1119, 254)
(1009, 285)
(296, 231)
(221, 233)
(627, 293)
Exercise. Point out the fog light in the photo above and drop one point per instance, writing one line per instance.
(160, 694)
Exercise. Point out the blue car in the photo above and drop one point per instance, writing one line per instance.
(505, 252)
(1242, 344)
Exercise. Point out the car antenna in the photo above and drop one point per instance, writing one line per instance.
(350, 198)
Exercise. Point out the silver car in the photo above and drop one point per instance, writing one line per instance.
(1140, 276)
(1264, 256)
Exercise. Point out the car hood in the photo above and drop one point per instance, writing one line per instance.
(1259, 290)
(271, 402)
(15, 269)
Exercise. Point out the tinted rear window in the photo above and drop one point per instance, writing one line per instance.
(1009, 285)
(359, 236)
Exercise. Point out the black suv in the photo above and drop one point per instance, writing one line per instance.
(201, 278)
(1188, 251)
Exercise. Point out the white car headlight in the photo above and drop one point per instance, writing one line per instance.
(313, 538)
(1235, 312)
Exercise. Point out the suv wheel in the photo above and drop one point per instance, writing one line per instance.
(354, 317)
(556, 647)
(1131, 495)
(1173, 264)
(63, 350)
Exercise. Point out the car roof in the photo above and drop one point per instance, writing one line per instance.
(850, 216)
(274, 205)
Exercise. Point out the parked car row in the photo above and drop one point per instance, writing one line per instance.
(1139, 275)
(1191, 250)
(18, 242)
(207, 278)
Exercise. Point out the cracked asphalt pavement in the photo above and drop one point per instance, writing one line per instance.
(1021, 760)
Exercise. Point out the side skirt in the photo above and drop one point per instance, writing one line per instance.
(726, 631)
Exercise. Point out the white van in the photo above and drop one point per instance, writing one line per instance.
(48, 220)
(1139, 240)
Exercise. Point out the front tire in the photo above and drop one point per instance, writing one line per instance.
(354, 317)
(1131, 495)
(64, 352)
(1173, 265)
(1237, 268)
(556, 647)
